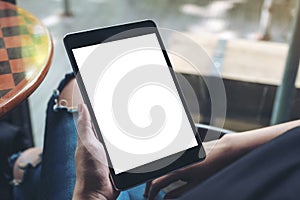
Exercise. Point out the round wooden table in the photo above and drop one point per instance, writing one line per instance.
(26, 51)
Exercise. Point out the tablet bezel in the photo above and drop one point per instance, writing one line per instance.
(129, 179)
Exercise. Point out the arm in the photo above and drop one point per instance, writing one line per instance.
(219, 154)
(249, 140)
(233, 146)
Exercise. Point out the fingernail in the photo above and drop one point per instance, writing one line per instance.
(80, 108)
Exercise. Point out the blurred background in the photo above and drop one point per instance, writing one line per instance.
(247, 39)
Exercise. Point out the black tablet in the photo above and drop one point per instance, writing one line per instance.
(138, 110)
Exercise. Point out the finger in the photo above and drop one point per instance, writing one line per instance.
(147, 187)
(84, 119)
(161, 183)
(87, 141)
(84, 125)
(179, 191)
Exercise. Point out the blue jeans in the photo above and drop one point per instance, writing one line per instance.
(54, 178)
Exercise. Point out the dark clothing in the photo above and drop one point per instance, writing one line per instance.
(9, 144)
(271, 171)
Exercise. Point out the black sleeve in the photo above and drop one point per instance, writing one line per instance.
(272, 171)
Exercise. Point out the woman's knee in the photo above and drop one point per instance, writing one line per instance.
(69, 97)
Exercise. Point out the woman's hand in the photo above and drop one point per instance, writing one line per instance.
(188, 175)
(92, 173)
(219, 154)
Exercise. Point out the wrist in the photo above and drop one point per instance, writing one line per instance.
(235, 148)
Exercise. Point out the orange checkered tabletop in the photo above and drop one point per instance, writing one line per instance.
(26, 51)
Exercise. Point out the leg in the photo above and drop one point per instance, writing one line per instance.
(58, 174)
(56, 177)
(58, 170)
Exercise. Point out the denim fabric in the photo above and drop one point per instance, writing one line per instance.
(55, 178)
(58, 168)
(29, 188)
